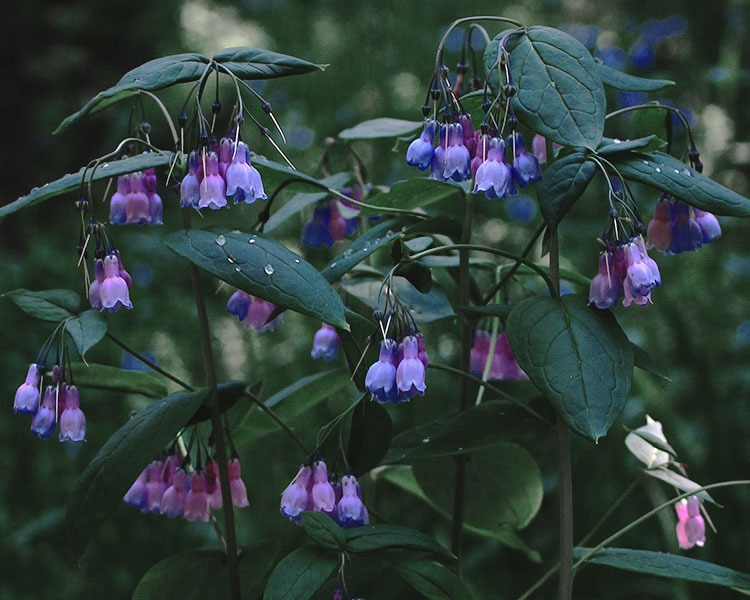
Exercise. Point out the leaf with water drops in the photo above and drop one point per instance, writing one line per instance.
(263, 267)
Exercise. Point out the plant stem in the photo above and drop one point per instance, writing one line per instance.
(216, 426)
(465, 340)
(562, 446)
(148, 363)
(279, 422)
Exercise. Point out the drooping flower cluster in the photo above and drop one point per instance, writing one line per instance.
(333, 220)
(312, 489)
(61, 404)
(326, 343)
(625, 271)
(504, 364)
(674, 229)
(691, 529)
(110, 288)
(218, 173)
(399, 373)
(253, 311)
(164, 487)
(136, 202)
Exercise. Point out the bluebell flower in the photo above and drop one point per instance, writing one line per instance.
(45, 419)
(238, 304)
(350, 510)
(494, 176)
(315, 232)
(411, 370)
(190, 188)
(381, 376)
(437, 165)
(26, 400)
(709, 225)
(686, 233)
(326, 343)
(457, 158)
(243, 180)
(526, 167)
(421, 150)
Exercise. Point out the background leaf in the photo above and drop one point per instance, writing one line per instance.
(46, 305)
(433, 581)
(418, 193)
(369, 437)
(367, 538)
(263, 267)
(323, 530)
(229, 393)
(380, 128)
(86, 330)
(563, 183)
(578, 357)
(629, 83)
(666, 565)
(103, 377)
(256, 63)
(102, 485)
(301, 574)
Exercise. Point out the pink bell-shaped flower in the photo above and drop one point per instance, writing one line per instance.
(173, 501)
(225, 156)
(297, 497)
(190, 188)
(137, 207)
(351, 510)
(606, 288)
(213, 489)
(258, 313)
(26, 400)
(410, 372)
(137, 495)
(660, 228)
(323, 494)
(95, 288)
(196, 502)
(236, 485)
(114, 289)
(156, 486)
(212, 190)
(72, 419)
(243, 180)
(691, 528)
(117, 213)
(45, 419)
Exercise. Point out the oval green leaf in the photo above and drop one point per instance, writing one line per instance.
(323, 530)
(577, 356)
(419, 192)
(46, 305)
(104, 377)
(380, 128)
(256, 63)
(86, 330)
(560, 94)
(263, 267)
(301, 574)
(433, 580)
(629, 83)
(563, 183)
(369, 437)
(610, 146)
(368, 538)
(669, 175)
(662, 564)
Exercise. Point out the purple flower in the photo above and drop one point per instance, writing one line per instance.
(95, 288)
(437, 164)
(479, 352)
(709, 225)
(315, 232)
(258, 313)
(297, 497)
(156, 486)
(323, 494)
(350, 510)
(190, 188)
(137, 208)
(243, 180)
(381, 376)
(660, 227)
(117, 215)
(691, 529)
(45, 419)
(686, 233)
(410, 373)
(326, 343)
(494, 176)
(642, 275)
(26, 401)
(225, 157)
(173, 501)
(421, 150)
(196, 502)
(457, 159)
(606, 288)
(526, 167)
(470, 140)
(212, 189)
(213, 489)
(238, 304)
(236, 485)
(422, 350)
(114, 289)
(72, 419)
(539, 148)
(137, 495)
(337, 226)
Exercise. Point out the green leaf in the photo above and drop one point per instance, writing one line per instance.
(662, 564)
(102, 485)
(560, 94)
(367, 538)
(610, 146)
(425, 308)
(629, 83)
(367, 243)
(300, 202)
(301, 574)
(418, 244)
(256, 63)
(380, 128)
(417, 274)
(479, 426)
(200, 574)
(563, 183)
(72, 181)
(87, 330)
(676, 178)
(650, 121)
(433, 581)
(643, 360)
(229, 393)
(369, 437)
(453, 228)
(577, 356)
(503, 486)
(418, 192)
(46, 305)
(103, 377)
(323, 530)
(263, 267)
(568, 274)
(489, 310)
(154, 75)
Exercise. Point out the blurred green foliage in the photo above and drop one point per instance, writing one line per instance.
(58, 55)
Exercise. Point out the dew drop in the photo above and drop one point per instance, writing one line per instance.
(45, 185)
(251, 240)
(645, 162)
(687, 173)
(365, 248)
(403, 229)
(657, 169)
(333, 265)
(221, 240)
(105, 165)
(376, 241)
(347, 252)
(426, 440)
(238, 269)
(296, 260)
(389, 233)
(616, 141)
(230, 259)
(268, 269)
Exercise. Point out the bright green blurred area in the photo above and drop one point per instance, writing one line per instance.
(381, 54)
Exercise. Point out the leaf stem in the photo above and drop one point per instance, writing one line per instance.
(279, 422)
(148, 363)
(164, 111)
(216, 426)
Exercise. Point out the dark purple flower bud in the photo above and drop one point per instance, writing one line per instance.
(190, 188)
(114, 289)
(297, 497)
(422, 350)
(709, 225)
(337, 224)
(410, 373)
(526, 169)
(606, 287)
(137, 495)
(457, 159)
(326, 343)
(26, 400)
(315, 232)
(44, 421)
(137, 209)
(149, 180)
(437, 164)
(686, 233)
(196, 502)
(243, 180)
(470, 140)
(494, 177)
(381, 376)
(350, 510)
(213, 487)
(212, 188)
(421, 150)
(72, 419)
(238, 304)
(117, 214)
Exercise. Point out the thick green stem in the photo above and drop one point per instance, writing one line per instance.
(465, 338)
(216, 426)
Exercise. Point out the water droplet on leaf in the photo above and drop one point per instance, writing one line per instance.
(426, 440)
(221, 240)
(657, 169)
(238, 269)
(268, 269)
(333, 265)
(296, 260)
